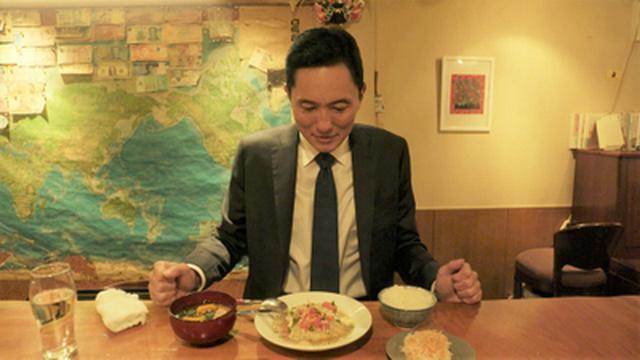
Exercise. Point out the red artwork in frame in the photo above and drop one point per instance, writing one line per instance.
(467, 94)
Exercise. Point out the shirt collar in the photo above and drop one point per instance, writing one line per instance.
(308, 153)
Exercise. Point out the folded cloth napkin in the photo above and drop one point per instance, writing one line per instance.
(120, 310)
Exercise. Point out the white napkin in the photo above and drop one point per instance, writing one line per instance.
(120, 310)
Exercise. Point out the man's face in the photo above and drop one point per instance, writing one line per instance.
(325, 101)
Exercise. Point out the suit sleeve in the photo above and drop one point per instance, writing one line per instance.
(413, 261)
(218, 254)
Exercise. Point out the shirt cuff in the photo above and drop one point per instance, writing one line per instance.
(203, 278)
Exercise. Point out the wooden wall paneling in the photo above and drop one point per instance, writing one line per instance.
(479, 236)
(527, 229)
(424, 221)
(630, 198)
(595, 188)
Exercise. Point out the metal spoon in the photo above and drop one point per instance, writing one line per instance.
(266, 306)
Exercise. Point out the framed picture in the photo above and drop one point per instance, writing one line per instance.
(465, 99)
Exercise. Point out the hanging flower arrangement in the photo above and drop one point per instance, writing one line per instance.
(338, 12)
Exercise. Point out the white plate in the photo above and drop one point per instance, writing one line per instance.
(460, 349)
(359, 314)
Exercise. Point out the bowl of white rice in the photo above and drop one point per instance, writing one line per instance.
(406, 306)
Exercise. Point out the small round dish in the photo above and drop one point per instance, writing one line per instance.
(406, 306)
(205, 332)
(460, 349)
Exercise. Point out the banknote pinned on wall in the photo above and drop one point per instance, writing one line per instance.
(110, 53)
(276, 78)
(73, 17)
(116, 70)
(25, 17)
(8, 54)
(177, 34)
(149, 68)
(219, 23)
(108, 16)
(219, 31)
(75, 69)
(183, 15)
(37, 56)
(260, 59)
(35, 36)
(222, 13)
(26, 88)
(75, 54)
(183, 77)
(29, 74)
(27, 104)
(73, 34)
(109, 32)
(144, 34)
(187, 56)
(144, 16)
(148, 52)
(151, 83)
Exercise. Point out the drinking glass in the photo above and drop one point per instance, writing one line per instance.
(52, 294)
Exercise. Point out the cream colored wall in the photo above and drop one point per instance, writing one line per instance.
(551, 59)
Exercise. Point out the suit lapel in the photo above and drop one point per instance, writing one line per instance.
(284, 160)
(363, 184)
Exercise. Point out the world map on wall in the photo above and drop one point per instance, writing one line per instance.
(119, 176)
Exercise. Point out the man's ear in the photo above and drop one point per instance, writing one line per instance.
(363, 90)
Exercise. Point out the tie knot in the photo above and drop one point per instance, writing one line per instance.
(325, 160)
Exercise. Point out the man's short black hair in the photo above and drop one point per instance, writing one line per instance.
(324, 46)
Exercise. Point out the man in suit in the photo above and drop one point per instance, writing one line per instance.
(270, 208)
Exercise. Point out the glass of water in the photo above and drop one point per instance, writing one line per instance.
(52, 294)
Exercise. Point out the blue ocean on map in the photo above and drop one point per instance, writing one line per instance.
(162, 177)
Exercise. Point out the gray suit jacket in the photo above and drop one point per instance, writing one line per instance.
(256, 218)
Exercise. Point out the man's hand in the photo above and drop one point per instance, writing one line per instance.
(169, 281)
(457, 282)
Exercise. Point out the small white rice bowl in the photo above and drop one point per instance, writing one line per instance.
(406, 306)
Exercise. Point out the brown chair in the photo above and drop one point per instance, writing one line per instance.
(577, 264)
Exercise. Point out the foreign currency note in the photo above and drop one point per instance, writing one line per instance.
(75, 69)
(109, 53)
(183, 15)
(185, 55)
(149, 68)
(183, 77)
(35, 36)
(37, 56)
(113, 71)
(26, 104)
(109, 32)
(148, 52)
(75, 54)
(177, 34)
(144, 34)
(73, 17)
(104, 16)
(25, 17)
(73, 34)
(8, 54)
(151, 83)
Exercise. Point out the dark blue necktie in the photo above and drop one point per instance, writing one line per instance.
(324, 254)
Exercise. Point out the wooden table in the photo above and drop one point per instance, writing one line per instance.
(577, 327)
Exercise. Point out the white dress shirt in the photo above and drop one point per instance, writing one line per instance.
(299, 275)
